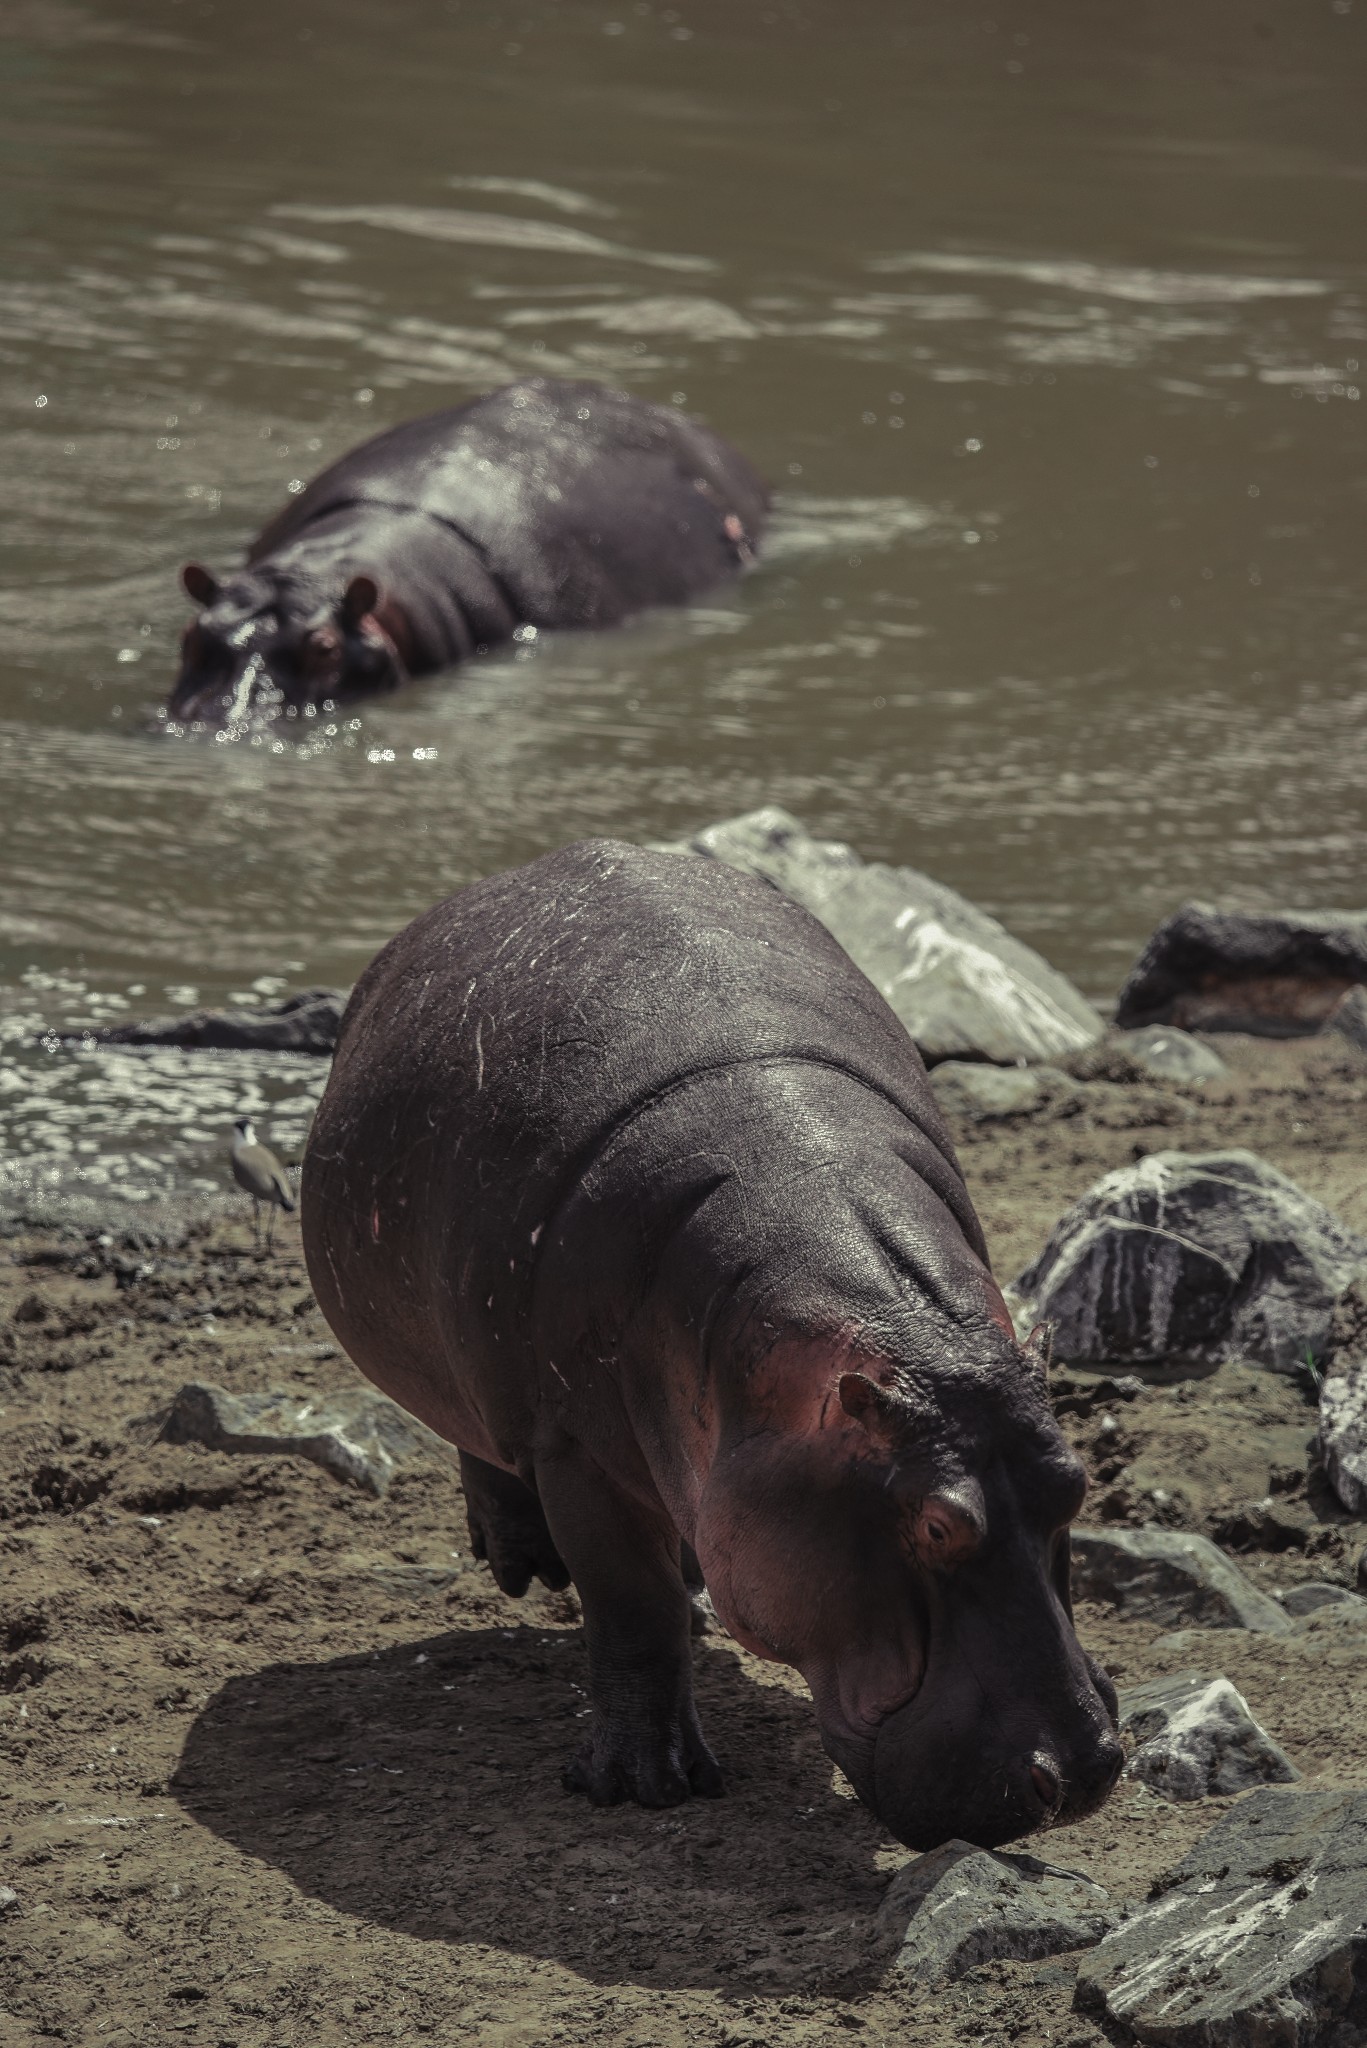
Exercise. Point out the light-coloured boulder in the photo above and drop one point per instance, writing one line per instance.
(964, 988)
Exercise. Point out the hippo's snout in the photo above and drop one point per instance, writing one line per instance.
(951, 1765)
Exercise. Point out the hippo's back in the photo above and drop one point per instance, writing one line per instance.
(585, 504)
(504, 1039)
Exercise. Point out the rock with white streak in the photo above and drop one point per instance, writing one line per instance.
(1258, 1938)
(1204, 1256)
(356, 1435)
(964, 988)
(1196, 1737)
(959, 1906)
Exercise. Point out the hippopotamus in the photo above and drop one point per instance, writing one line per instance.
(543, 504)
(628, 1183)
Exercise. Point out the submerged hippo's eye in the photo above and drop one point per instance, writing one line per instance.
(321, 646)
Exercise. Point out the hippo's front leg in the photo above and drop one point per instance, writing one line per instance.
(644, 1740)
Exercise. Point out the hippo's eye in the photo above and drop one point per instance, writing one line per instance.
(321, 646)
(946, 1530)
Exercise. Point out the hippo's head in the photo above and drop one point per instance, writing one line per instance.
(266, 645)
(901, 1538)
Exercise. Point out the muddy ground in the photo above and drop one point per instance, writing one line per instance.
(282, 1766)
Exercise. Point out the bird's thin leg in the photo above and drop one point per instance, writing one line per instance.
(270, 1225)
(256, 1224)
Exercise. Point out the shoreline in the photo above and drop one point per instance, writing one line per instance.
(282, 1759)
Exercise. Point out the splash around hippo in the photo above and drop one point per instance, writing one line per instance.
(545, 504)
(628, 1183)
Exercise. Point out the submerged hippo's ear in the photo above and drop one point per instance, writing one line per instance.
(877, 1407)
(361, 595)
(199, 584)
(1039, 1348)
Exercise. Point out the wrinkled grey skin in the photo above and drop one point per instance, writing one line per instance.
(545, 504)
(629, 1183)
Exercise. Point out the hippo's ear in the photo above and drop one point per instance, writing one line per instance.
(361, 595)
(1039, 1348)
(200, 584)
(877, 1407)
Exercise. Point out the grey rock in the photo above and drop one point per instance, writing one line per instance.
(959, 1906)
(1342, 1434)
(307, 1022)
(1349, 1020)
(1082, 1393)
(960, 983)
(415, 1581)
(1309, 1599)
(9, 1902)
(980, 1093)
(1278, 975)
(357, 1435)
(1156, 1052)
(1170, 1577)
(1195, 1736)
(1204, 1256)
(1258, 1939)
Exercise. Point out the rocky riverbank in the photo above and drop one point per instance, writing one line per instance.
(283, 1765)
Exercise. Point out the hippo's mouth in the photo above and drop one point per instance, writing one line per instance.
(234, 703)
(849, 1729)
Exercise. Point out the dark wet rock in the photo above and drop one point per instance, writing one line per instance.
(1196, 1737)
(1309, 1599)
(980, 1093)
(1203, 1256)
(1170, 1577)
(959, 1906)
(1278, 975)
(1349, 1020)
(306, 1022)
(1156, 1052)
(357, 1435)
(964, 988)
(1258, 1938)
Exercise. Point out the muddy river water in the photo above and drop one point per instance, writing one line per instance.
(1046, 322)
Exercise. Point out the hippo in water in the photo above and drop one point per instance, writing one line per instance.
(543, 504)
(628, 1183)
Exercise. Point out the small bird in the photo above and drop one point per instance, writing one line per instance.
(259, 1174)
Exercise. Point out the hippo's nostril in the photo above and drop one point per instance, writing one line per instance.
(1046, 1784)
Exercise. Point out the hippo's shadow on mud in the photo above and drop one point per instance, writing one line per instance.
(419, 1789)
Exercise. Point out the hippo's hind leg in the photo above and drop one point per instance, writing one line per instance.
(644, 1741)
(508, 1528)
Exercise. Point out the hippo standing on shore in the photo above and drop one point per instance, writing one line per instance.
(628, 1183)
(543, 504)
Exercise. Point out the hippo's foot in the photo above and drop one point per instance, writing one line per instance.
(654, 1766)
(508, 1530)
